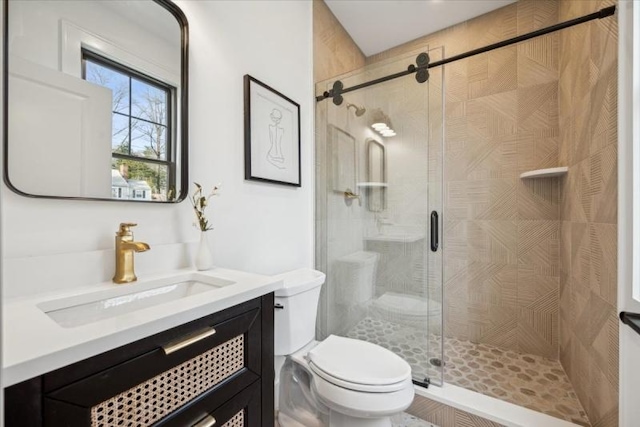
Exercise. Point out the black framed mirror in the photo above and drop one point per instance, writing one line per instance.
(95, 100)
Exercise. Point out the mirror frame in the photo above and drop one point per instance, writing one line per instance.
(183, 117)
(334, 134)
(370, 144)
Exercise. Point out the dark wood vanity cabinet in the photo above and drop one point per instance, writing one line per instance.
(214, 371)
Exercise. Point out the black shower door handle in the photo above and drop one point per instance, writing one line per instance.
(435, 238)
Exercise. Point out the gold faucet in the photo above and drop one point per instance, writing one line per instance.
(125, 247)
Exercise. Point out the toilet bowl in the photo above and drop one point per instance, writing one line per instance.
(407, 310)
(337, 382)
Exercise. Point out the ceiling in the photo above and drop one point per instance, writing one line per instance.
(378, 25)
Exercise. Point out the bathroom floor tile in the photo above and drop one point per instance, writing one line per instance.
(406, 420)
(527, 380)
(400, 420)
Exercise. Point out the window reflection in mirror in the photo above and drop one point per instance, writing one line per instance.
(96, 99)
(142, 160)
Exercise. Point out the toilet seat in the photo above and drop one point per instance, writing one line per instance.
(381, 398)
(358, 365)
(362, 404)
(387, 388)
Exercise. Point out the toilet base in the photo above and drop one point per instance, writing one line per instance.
(337, 419)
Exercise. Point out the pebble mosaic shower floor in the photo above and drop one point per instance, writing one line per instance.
(526, 380)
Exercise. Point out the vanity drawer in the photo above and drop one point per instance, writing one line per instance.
(174, 378)
(148, 388)
(243, 410)
(146, 357)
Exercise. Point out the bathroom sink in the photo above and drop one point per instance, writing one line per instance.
(104, 304)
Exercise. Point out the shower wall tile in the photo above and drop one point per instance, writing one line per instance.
(457, 248)
(537, 108)
(533, 287)
(530, 265)
(492, 115)
(533, 15)
(492, 199)
(580, 267)
(457, 83)
(538, 246)
(492, 284)
(493, 158)
(334, 51)
(577, 192)
(400, 267)
(537, 149)
(604, 261)
(565, 248)
(456, 206)
(493, 73)
(537, 198)
(493, 324)
(537, 61)
(588, 210)
(603, 185)
(493, 241)
(501, 268)
(604, 99)
(493, 27)
(537, 328)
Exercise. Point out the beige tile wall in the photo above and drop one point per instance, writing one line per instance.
(529, 265)
(334, 51)
(588, 231)
(501, 233)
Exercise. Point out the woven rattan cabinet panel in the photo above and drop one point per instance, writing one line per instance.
(220, 365)
(236, 421)
(148, 402)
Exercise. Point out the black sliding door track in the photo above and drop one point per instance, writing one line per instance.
(423, 63)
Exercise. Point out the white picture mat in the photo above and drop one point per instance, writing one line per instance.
(275, 151)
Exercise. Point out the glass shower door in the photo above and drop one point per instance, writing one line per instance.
(378, 213)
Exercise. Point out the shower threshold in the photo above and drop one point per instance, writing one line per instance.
(526, 380)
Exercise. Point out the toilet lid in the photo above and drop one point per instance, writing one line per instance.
(358, 362)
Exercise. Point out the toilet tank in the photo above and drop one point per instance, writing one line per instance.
(355, 277)
(296, 307)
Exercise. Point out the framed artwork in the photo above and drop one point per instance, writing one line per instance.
(271, 135)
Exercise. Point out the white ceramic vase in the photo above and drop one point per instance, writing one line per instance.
(204, 259)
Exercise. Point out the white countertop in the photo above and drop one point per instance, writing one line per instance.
(34, 344)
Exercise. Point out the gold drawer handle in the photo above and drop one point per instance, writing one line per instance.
(207, 421)
(172, 348)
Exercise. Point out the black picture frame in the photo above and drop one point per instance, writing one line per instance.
(272, 148)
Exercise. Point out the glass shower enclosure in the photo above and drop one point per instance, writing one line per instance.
(379, 171)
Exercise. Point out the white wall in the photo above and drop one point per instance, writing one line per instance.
(262, 228)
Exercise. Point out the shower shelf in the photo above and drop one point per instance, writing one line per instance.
(372, 184)
(545, 173)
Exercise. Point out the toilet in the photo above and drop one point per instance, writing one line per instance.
(337, 382)
(355, 279)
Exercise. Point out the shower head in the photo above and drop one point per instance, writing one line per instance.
(358, 110)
